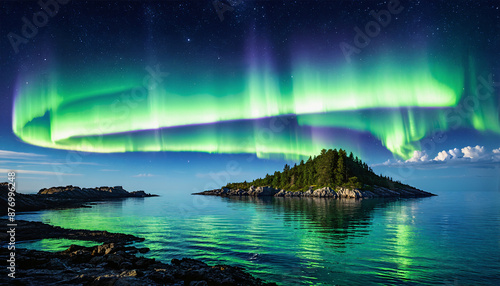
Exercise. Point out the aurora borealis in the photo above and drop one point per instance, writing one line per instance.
(129, 111)
(121, 114)
(161, 103)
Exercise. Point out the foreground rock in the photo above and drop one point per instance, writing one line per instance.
(63, 197)
(32, 230)
(112, 263)
(326, 192)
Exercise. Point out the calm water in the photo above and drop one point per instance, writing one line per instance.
(452, 239)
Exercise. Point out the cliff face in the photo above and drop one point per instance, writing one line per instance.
(326, 192)
(63, 197)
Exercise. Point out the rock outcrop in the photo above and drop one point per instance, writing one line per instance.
(91, 193)
(112, 263)
(63, 197)
(326, 192)
(32, 230)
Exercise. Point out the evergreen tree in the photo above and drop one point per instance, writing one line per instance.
(340, 172)
(324, 167)
(276, 180)
(286, 168)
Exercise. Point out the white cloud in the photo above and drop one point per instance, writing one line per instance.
(473, 153)
(386, 163)
(470, 156)
(418, 156)
(143, 175)
(32, 177)
(5, 154)
(37, 164)
(496, 155)
(452, 154)
(27, 163)
(21, 160)
(35, 172)
(224, 174)
(442, 156)
(456, 153)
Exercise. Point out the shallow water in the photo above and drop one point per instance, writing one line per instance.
(452, 239)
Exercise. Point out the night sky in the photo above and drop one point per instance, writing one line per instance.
(181, 96)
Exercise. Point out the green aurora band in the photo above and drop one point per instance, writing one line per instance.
(398, 103)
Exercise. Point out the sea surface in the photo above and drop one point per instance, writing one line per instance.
(451, 239)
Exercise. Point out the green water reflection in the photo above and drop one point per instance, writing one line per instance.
(54, 244)
(297, 241)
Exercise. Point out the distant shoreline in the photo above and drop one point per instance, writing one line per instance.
(65, 197)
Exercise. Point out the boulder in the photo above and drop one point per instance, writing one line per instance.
(281, 193)
(262, 191)
(348, 193)
(325, 192)
(131, 273)
(115, 259)
(97, 260)
(198, 283)
(308, 193)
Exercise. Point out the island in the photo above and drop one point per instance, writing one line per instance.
(332, 174)
(65, 197)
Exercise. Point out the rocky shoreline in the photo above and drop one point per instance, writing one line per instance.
(114, 262)
(326, 192)
(64, 197)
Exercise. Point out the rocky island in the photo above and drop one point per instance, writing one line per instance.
(332, 174)
(325, 192)
(64, 197)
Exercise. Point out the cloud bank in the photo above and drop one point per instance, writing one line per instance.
(36, 172)
(476, 156)
(5, 154)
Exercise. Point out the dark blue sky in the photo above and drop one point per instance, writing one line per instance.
(95, 37)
